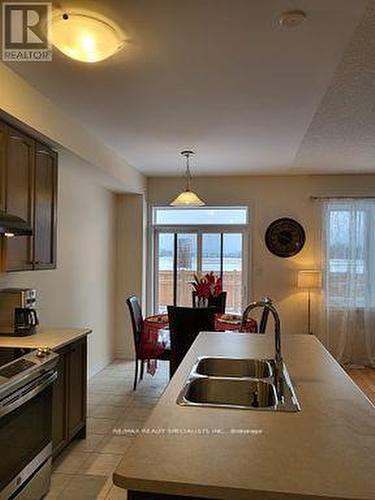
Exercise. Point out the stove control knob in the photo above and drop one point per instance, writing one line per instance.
(40, 352)
(46, 350)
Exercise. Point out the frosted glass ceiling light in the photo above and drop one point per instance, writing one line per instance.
(187, 198)
(86, 37)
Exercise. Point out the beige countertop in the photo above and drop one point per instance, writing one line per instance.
(326, 450)
(51, 337)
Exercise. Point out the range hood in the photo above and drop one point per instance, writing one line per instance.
(11, 225)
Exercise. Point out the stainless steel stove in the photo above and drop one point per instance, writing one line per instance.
(26, 424)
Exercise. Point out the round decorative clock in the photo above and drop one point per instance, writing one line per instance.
(285, 237)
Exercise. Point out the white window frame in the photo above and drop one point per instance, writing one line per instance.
(156, 229)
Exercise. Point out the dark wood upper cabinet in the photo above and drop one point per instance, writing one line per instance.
(19, 193)
(28, 188)
(45, 209)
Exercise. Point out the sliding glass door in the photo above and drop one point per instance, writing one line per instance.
(181, 254)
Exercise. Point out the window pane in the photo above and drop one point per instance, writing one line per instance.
(165, 271)
(211, 250)
(186, 267)
(203, 216)
(232, 271)
(346, 257)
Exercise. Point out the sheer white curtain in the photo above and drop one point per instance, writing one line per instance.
(348, 307)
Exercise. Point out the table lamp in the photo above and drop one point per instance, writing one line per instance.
(309, 279)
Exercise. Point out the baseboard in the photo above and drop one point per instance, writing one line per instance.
(123, 354)
(98, 367)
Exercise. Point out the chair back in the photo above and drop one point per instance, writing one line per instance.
(185, 324)
(218, 302)
(136, 318)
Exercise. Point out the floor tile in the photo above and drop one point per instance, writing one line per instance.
(100, 425)
(69, 462)
(84, 487)
(120, 400)
(58, 483)
(87, 445)
(107, 411)
(117, 445)
(100, 464)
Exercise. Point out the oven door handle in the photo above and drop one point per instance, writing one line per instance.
(27, 392)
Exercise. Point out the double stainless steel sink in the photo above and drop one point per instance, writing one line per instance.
(251, 384)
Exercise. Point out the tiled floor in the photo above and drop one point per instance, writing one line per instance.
(84, 470)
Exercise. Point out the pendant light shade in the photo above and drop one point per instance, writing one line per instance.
(187, 198)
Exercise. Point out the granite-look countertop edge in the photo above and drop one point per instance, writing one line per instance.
(55, 338)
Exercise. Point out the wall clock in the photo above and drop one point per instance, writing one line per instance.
(285, 237)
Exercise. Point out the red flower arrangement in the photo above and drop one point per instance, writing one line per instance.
(207, 286)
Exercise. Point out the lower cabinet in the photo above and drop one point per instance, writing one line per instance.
(69, 395)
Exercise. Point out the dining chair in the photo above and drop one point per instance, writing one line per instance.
(137, 326)
(185, 324)
(219, 302)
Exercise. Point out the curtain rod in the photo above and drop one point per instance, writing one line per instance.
(350, 197)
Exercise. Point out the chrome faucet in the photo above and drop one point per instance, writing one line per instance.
(266, 303)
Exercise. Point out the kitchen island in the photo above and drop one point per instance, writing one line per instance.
(326, 450)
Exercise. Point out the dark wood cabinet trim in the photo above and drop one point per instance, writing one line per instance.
(42, 149)
(79, 430)
(20, 241)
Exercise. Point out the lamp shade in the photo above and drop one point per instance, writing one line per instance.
(187, 199)
(309, 279)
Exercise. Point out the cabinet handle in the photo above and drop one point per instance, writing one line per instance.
(43, 152)
(17, 137)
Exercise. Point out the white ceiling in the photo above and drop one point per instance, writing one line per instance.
(223, 78)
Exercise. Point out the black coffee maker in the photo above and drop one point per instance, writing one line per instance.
(25, 321)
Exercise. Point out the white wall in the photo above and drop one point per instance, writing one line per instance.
(22, 102)
(268, 198)
(80, 292)
(130, 266)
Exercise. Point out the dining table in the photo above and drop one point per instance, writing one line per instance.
(156, 337)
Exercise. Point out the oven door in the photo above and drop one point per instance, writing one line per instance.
(25, 433)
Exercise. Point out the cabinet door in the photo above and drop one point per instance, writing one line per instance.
(77, 387)
(59, 405)
(19, 187)
(45, 208)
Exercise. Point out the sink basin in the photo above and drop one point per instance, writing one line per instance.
(246, 384)
(226, 392)
(234, 367)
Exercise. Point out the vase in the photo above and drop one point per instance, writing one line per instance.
(202, 302)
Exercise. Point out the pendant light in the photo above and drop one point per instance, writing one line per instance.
(187, 198)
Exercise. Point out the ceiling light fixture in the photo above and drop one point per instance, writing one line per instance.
(292, 18)
(187, 198)
(86, 37)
